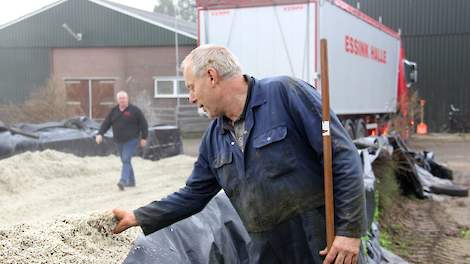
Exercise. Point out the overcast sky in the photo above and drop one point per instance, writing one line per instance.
(13, 9)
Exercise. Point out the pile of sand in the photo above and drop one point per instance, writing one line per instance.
(49, 200)
(69, 240)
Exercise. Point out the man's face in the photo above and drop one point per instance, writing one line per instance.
(123, 101)
(202, 91)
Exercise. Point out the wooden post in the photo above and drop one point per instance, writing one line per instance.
(327, 156)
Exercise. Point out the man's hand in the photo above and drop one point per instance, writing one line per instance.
(142, 143)
(125, 219)
(344, 250)
(99, 139)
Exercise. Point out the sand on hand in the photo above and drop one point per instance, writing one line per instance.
(56, 206)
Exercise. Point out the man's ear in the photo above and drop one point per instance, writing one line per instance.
(212, 73)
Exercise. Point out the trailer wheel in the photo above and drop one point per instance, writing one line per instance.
(349, 126)
(361, 130)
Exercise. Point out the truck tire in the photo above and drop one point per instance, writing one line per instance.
(361, 130)
(349, 126)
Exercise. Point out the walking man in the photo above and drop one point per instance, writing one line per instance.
(129, 125)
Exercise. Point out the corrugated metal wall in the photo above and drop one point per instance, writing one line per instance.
(436, 34)
(22, 70)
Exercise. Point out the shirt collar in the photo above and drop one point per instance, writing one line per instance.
(226, 123)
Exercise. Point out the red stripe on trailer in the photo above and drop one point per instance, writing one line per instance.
(356, 12)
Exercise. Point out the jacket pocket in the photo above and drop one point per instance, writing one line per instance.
(222, 159)
(275, 153)
(271, 136)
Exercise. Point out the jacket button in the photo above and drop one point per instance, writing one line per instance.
(232, 143)
(268, 139)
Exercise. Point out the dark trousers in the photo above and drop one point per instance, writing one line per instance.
(297, 240)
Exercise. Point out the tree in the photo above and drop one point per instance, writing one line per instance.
(165, 7)
(186, 9)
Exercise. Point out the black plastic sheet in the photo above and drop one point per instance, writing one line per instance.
(77, 136)
(215, 235)
(420, 174)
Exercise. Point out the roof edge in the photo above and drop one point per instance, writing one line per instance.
(103, 4)
(117, 9)
(42, 9)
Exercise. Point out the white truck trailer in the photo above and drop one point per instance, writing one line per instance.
(282, 37)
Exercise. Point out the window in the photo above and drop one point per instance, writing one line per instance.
(182, 90)
(170, 87)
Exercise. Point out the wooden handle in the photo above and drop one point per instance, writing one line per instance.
(327, 156)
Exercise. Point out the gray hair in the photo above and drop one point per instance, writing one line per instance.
(212, 56)
(122, 93)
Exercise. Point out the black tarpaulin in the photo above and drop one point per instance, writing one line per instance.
(215, 235)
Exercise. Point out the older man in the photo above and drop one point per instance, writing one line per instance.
(128, 125)
(264, 148)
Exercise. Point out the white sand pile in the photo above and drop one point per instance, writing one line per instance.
(47, 201)
(70, 240)
(29, 169)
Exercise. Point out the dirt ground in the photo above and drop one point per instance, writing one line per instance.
(437, 230)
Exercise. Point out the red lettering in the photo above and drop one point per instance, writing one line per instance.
(355, 46)
(366, 51)
(346, 43)
(220, 13)
(293, 8)
(379, 55)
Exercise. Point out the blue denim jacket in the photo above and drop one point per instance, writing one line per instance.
(280, 172)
